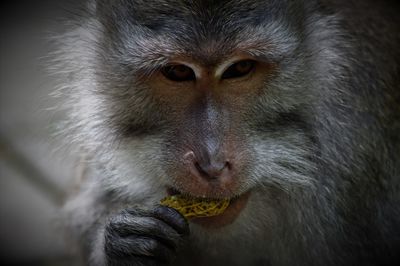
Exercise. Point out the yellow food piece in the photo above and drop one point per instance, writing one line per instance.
(195, 207)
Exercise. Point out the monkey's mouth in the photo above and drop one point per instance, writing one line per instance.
(228, 216)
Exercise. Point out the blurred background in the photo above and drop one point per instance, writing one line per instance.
(34, 174)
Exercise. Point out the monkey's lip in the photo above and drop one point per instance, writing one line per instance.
(236, 205)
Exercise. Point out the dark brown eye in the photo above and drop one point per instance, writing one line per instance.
(239, 69)
(178, 73)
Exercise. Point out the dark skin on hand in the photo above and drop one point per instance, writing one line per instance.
(161, 229)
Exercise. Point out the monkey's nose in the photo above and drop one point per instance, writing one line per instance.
(207, 167)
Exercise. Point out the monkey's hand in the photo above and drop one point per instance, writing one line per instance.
(141, 237)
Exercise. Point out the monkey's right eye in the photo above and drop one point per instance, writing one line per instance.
(178, 73)
(239, 69)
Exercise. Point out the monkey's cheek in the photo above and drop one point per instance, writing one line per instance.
(235, 207)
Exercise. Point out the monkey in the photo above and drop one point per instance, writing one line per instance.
(288, 108)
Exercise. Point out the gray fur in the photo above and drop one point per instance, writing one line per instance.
(323, 136)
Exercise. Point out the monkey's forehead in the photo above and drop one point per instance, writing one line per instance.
(209, 16)
(205, 30)
(153, 11)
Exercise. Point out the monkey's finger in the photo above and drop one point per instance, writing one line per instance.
(126, 226)
(173, 218)
(168, 215)
(138, 246)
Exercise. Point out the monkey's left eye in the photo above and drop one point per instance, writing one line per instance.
(239, 69)
(178, 73)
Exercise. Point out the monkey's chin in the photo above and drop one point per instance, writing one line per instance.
(235, 207)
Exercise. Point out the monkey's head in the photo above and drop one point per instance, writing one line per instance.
(208, 98)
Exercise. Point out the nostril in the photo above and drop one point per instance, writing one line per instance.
(211, 170)
(228, 165)
(200, 169)
(208, 167)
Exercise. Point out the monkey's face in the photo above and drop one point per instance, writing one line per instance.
(210, 100)
(206, 148)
